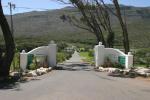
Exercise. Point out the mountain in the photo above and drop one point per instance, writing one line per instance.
(48, 24)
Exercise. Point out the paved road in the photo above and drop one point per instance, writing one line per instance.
(78, 82)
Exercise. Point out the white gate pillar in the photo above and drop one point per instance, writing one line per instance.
(23, 60)
(52, 52)
(99, 54)
(129, 61)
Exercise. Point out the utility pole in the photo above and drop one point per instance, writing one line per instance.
(11, 6)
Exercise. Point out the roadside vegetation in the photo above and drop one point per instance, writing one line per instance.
(142, 57)
(87, 55)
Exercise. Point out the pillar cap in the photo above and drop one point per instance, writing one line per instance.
(23, 51)
(129, 53)
(100, 43)
(52, 42)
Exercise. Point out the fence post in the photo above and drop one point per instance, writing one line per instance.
(99, 54)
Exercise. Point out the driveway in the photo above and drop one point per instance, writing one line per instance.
(78, 81)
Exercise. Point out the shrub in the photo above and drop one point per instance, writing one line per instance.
(142, 57)
(108, 63)
(91, 53)
(81, 49)
(148, 61)
(15, 63)
(60, 57)
(117, 65)
(33, 65)
(62, 46)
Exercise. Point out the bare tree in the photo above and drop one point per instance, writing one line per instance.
(6, 57)
(123, 26)
(95, 18)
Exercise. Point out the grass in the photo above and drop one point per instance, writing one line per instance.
(15, 63)
(140, 65)
(62, 56)
(87, 57)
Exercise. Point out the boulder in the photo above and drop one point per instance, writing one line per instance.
(49, 69)
(101, 69)
(31, 74)
(14, 74)
(41, 71)
(142, 71)
(111, 70)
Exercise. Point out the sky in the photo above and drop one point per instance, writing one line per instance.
(38, 5)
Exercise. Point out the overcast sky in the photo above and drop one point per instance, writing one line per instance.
(52, 4)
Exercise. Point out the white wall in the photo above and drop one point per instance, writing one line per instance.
(49, 50)
(113, 54)
(101, 53)
(39, 50)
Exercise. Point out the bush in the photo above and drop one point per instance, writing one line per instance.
(81, 49)
(62, 46)
(148, 61)
(91, 53)
(33, 65)
(15, 65)
(68, 55)
(117, 65)
(61, 57)
(142, 57)
(108, 63)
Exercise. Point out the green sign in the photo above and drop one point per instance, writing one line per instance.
(30, 59)
(121, 60)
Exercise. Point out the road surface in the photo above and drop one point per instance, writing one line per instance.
(77, 81)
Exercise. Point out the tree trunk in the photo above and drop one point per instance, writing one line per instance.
(123, 26)
(110, 39)
(6, 59)
(91, 21)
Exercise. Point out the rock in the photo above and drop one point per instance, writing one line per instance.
(142, 71)
(125, 71)
(23, 74)
(49, 69)
(14, 74)
(111, 70)
(132, 74)
(31, 74)
(101, 69)
(38, 72)
(147, 74)
(117, 71)
(41, 71)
